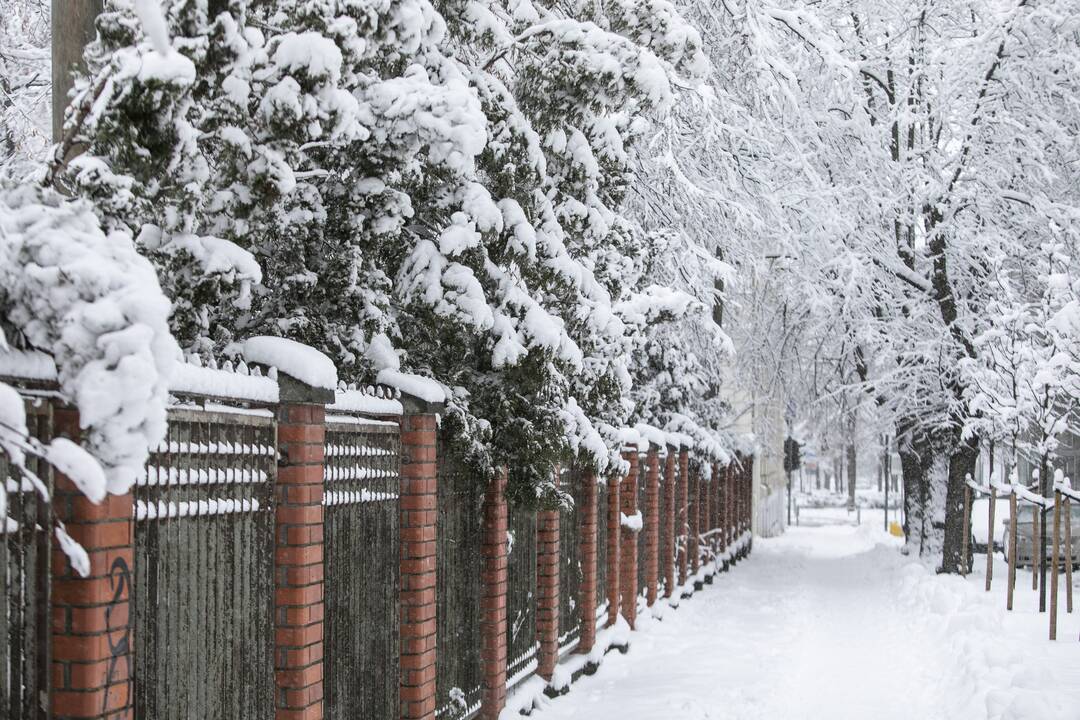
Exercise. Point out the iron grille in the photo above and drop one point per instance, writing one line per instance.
(457, 666)
(601, 552)
(521, 643)
(642, 539)
(570, 560)
(362, 572)
(204, 553)
(24, 583)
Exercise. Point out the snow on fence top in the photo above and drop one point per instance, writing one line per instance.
(418, 386)
(240, 383)
(651, 435)
(369, 400)
(28, 365)
(297, 360)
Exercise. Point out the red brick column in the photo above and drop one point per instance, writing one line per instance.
(748, 511)
(547, 591)
(587, 597)
(417, 515)
(614, 529)
(694, 508)
(629, 574)
(667, 543)
(91, 633)
(735, 485)
(493, 587)
(723, 520)
(681, 519)
(298, 554)
(652, 523)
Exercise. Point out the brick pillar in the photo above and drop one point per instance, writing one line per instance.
(628, 552)
(298, 553)
(681, 518)
(694, 509)
(667, 543)
(614, 527)
(652, 523)
(547, 592)
(493, 587)
(587, 516)
(723, 498)
(91, 634)
(417, 514)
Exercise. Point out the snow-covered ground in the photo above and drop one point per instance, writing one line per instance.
(834, 623)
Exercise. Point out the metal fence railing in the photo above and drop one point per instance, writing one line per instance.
(601, 551)
(570, 574)
(457, 669)
(25, 557)
(204, 559)
(642, 536)
(521, 642)
(362, 572)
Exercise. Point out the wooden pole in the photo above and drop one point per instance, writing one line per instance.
(1054, 567)
(965, 547)
(990, 536)
(1068, 557)
(1036, 543)
(72, 28)
(1012, 551)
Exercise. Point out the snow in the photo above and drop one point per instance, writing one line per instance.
(153, 22)
(633, 523)
(418, 386)
(197, 380)
(369, 403)
(96, 305)
(833, 623)
(296, 360)
(79, 466)
(27, 365)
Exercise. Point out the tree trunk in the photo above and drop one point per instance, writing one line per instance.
(961, 464)
(911, 468)
(851, 459)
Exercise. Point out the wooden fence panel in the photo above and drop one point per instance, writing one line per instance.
(458, 562)
(570, 574)
(25, 557)
(521, 642)
(362, 577)
(203, 576)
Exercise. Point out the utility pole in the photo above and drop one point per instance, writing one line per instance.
(72, 29)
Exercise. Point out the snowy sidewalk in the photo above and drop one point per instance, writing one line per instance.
(833, 623)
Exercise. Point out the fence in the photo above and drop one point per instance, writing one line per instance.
(279, 559)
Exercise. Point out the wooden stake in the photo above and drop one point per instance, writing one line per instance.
(1012, 551)
(1054, 567)
(1068, 557)
(965, 547)
(990, 539)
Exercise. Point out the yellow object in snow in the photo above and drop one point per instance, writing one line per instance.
(895, 529)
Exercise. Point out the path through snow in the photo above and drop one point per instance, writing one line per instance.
(832, 622)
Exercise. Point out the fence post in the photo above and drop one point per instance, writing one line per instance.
(587, 595)
(682, 515)
(629, 574)
(493, 598)
(734, 473)
(652, 523)
(298, 552)
(417, 513)
(91, 633)
(668, 541)
(547, 591)
(748, 506)
(614, 542)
